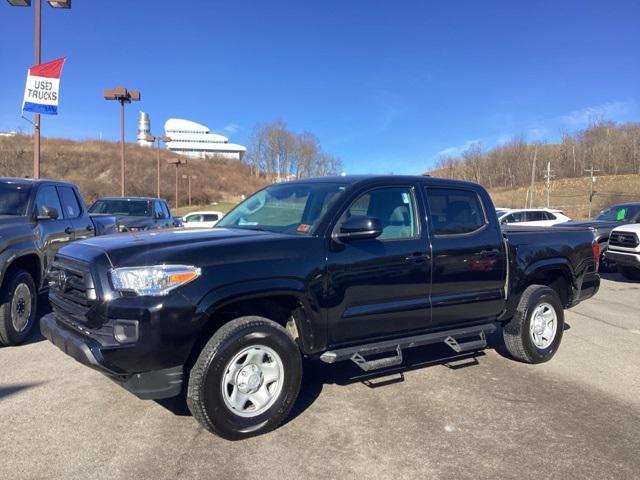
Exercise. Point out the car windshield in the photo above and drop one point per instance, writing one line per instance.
(130, 208)
(14, 198)
(618, 213)
(285, 208)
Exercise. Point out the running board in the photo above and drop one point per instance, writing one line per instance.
(467, 346)
(357, 353)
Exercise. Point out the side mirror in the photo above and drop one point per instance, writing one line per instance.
(359, 228)
(48, 213)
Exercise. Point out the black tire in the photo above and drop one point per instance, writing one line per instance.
(516, 332)
(14, 281)
(205, 392)
(630, 273)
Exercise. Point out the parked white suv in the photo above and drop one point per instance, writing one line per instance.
(534, 217)
(205, 219)
(624, 249)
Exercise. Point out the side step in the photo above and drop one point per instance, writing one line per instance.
(357, 353)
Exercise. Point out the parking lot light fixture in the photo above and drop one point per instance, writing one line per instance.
(59, 3)
(123, 96)
(177, 162)
(20, 3)
(153, 138)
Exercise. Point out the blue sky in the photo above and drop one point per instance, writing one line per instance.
(386, 85)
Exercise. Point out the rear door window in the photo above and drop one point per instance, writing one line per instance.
(70, 205)
(455, 211)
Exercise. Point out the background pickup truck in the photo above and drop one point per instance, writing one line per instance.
(624, 250)
(136, 214)
(347, 268)
(37, 217)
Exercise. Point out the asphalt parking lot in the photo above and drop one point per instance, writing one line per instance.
(484, 417)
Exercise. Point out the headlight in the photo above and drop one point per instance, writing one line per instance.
(155, 280)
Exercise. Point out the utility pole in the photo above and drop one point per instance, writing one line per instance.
(548, 177)
(533, 176)
(592, 182)
(189, 178)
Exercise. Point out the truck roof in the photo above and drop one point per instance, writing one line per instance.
(32, 181)
(130, 198)
(357, 179)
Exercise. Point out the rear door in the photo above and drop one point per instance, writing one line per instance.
(380, 287)
(56, 233)
(74, 213)
(469, 261)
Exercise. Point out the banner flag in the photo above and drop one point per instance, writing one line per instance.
(41, 92)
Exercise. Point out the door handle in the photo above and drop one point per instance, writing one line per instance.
(90, 228)
(68, 231)
(489, 253)
(418, 257)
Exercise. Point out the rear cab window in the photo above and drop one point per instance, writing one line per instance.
(455, 211)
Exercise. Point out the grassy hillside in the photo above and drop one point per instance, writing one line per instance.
(572, 194)
(95, 167)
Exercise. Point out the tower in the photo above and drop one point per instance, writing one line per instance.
(144, 129)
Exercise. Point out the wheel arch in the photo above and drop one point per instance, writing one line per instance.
(555, 273)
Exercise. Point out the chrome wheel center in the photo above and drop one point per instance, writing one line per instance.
(543, 326)
(252, 381)
(249, 378)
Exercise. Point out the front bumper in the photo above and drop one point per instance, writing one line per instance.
(155, 384)
(626, 259)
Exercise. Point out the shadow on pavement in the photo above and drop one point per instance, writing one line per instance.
(8, 390)
(617, 277)
(317, 374)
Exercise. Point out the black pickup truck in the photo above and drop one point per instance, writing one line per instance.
(348, 268)
(37, 217)
(136, 214)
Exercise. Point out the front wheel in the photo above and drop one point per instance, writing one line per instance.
(534, 333)
(246, 379)
(18, 304)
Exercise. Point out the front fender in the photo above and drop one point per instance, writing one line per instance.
(309, 325)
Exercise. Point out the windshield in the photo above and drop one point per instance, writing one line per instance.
(14, 198)
(618, 213)
(294, 208)
(130, 208)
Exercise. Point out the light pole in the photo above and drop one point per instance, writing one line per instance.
(37, 61)
(123, 96)
(177, 162)
(189, 177)
(152, 138)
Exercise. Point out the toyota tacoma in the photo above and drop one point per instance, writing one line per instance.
(349, 268)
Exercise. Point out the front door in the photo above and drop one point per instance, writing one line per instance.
(380, 287)
(469, 266)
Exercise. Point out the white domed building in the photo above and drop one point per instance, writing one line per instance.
(195, 140)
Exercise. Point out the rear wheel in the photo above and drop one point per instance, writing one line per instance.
(534, 333)
(18, 305)
(630, 273)
(246, 379)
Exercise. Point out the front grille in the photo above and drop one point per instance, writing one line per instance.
(624, 239)
(71, 289)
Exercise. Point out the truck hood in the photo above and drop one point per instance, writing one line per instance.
(14, 229)
(150, 247)
(590, 223)
(133, 221)
(630, 227)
